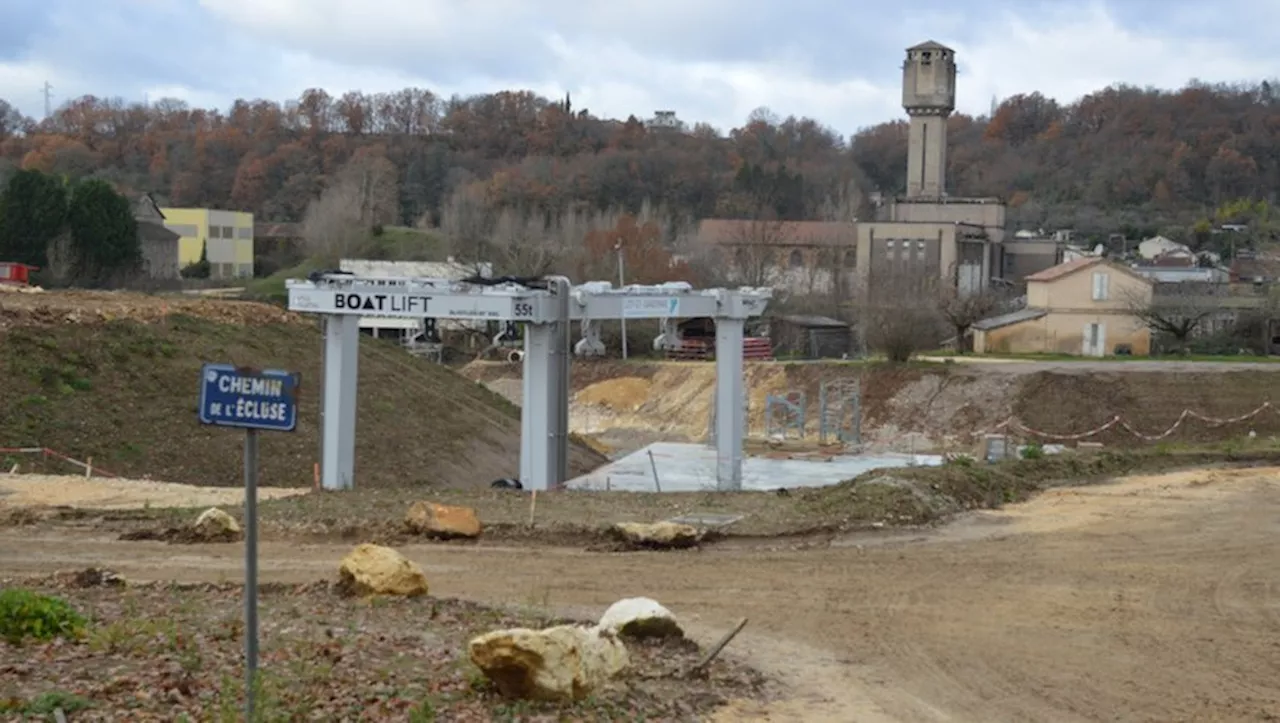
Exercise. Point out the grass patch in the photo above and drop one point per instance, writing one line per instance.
(126, 394)
(27, 615)
(394, 243)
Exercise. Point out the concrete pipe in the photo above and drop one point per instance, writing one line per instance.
(515, 355)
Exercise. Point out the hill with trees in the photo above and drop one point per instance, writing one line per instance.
(1121, 158)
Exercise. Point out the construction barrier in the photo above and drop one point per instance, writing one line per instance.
(754, 348)
(1013, 425)
(46, 454)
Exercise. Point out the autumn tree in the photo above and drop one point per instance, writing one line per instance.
(105, 247)
(33, 210)
(644, 255)
(1120, 156)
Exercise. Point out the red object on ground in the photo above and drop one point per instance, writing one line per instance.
(754, 348)
(12, 272)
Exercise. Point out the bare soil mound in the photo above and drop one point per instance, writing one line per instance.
(115, 377)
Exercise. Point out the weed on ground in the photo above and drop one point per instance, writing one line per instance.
(172, 653)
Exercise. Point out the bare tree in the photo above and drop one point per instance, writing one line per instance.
(961, 310)
(1176, 310)
(363, 195)
(901, 317)
(465, 221)
(523, 243)
(529, 242)
(331, 226)
(755, 249)
(377, 188)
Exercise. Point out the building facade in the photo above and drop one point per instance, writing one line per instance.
(159, 244)
(1082, 307)
(926, 229)
(957, 240)
(929, 97)
(226, 237)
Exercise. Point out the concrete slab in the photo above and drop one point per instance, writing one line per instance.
(692, 467)
(706, 519)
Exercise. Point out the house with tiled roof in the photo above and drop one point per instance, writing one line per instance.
(1083, 307)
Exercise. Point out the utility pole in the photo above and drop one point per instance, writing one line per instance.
(47, 90)
(622, 282)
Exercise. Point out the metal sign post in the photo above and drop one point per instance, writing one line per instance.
(251, 400)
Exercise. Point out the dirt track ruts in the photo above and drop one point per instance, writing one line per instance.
(1150, 600)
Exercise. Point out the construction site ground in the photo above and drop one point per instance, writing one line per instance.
(923, 406)
(1151, 598)
(1114, 584)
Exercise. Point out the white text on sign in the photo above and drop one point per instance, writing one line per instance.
(251, 409)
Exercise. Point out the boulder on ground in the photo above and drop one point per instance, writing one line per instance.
(657, 535)
(442, 521)
(215, 525)
(562, 663)
(377, 570)
(640, 617)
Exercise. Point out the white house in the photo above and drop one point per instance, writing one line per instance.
(1157, 246)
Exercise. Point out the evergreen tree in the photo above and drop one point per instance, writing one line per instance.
(200, 269)
(33, 210)
(104, 234)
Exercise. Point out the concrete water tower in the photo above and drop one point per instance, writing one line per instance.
(929, 97)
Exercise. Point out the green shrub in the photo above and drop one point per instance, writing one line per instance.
(26, 614)
(1034, 450)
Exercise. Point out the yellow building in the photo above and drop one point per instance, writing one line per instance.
(1083, 307)
(227, 236)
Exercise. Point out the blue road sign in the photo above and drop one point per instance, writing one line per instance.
(233, 396)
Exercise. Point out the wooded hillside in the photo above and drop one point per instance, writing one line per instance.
(1122, 156)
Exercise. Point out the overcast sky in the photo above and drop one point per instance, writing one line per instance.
(709, 60)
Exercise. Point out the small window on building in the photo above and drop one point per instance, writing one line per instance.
(850, 259)
(796, 259)
(1101, 286)
(228, 232)
(244, 232)
(215, 232)
(245, 271)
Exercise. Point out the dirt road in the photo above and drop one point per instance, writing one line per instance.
(108, 493)
(1154, 599)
